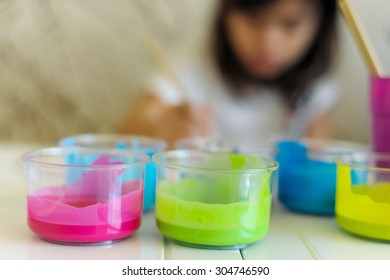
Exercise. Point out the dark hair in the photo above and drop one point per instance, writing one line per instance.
(295, 81)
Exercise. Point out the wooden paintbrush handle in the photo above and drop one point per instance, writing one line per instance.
(363, 44)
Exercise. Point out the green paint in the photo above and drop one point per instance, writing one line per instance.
(234, 162)
(222, 210)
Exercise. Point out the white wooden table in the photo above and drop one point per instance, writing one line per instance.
(291, 236)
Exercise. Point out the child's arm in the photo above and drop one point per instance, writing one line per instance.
(320, 127)
(149, 116)
(320, 107)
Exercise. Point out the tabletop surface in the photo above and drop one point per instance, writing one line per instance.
(291, 237)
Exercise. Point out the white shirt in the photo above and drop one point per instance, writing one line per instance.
(254, 120)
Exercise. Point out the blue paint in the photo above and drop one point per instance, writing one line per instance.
(150, 184)
(305, 185)
(134, 145)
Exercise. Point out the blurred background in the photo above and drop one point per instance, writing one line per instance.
(75, 66)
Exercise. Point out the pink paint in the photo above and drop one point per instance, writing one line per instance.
(70, 214)
(380, 113)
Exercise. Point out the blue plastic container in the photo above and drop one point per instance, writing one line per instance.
(146, 145)
(307, 174)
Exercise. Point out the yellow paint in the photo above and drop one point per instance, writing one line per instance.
(363, 209)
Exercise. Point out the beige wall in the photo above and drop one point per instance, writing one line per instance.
(351, 117)
(74, 66)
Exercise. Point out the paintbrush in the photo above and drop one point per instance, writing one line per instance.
(364, 46)
(163, 65)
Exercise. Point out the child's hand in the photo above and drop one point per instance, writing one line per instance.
(184, 121)
(153, 118)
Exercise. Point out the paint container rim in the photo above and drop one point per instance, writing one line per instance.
(350, 159)
(29, 158)
(219, 144)
(269, 165)
(327, 150)
(149, 144)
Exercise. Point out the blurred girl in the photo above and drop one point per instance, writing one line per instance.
(265, 77)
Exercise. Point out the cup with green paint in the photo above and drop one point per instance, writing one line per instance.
(213, 200)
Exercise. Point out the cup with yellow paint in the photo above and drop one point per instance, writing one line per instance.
(363, 194)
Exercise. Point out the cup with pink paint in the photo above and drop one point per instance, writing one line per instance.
(380, 113)
(102, 206)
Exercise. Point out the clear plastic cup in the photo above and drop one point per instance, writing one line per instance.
(219, 145)
(363, 194)
(213, 200)
(84, 203)
(380, 112)
(204, 144)
(146, 145)
(307, 174)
